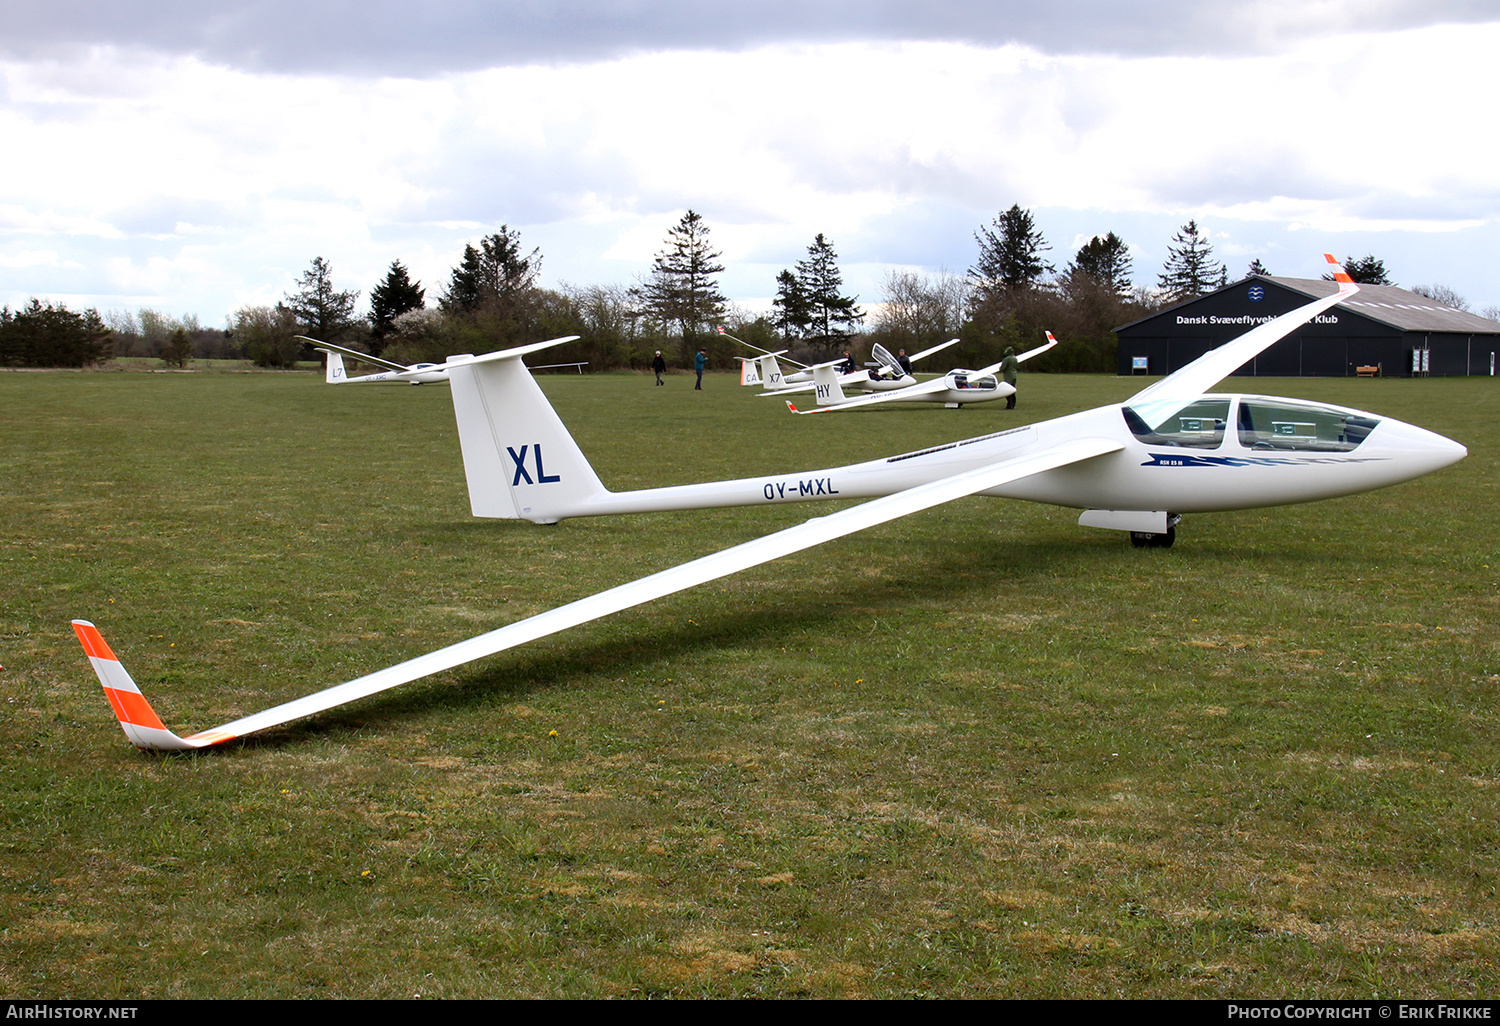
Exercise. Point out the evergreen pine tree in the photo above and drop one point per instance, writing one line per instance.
(1106, 260)
(178, 348)
(390, 299)
(1256, 267)
(831, 316)
(1367, 270)
(792, 314)
(324, 313)
(682, 289)
(1010, 255)
(1190, 269)
(493, 278)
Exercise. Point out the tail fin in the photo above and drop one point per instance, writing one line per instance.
(520, 461)
(827, 381)
(749, 372)
(335, 375)
(770, 372)
(139, 721)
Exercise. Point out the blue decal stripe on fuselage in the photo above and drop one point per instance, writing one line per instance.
(1183, 460)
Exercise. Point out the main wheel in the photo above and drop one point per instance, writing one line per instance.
(1148, 540)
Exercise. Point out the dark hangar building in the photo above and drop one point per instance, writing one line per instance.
(1400, 332)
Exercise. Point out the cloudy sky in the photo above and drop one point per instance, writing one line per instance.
(193, 156)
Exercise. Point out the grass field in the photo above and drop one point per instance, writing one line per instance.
(979, 752)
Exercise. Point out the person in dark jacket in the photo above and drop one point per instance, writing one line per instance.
(699, 362)
(660, 366)
(1009, 369)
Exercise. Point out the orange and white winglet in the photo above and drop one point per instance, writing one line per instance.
(139, 721)
(1346, 283)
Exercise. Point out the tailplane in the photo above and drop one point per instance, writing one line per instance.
(520, 461)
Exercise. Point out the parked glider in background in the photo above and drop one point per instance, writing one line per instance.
(399, 373)
(955, 390)
(887, 372)
(1133, 466)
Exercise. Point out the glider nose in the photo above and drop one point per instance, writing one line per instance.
(1428, 449)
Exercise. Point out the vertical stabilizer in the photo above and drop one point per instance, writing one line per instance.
(335, 373)
(827, 381)
(519, 459)
(770, 372)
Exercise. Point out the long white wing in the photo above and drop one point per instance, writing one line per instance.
(1217, 364)
(146, 730)
(994, 368)
(355, 354)
(935, 349)
(758, 349)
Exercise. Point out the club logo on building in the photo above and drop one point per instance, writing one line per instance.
(1256, 293)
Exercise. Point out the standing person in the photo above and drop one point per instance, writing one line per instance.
(660, 366)
(904, 361)
(699, 362)
(1008, 371)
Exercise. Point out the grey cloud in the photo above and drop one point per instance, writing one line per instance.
(384, 37)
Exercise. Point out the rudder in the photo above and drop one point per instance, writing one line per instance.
(519, 459)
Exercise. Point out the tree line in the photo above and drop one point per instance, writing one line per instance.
(492, 300)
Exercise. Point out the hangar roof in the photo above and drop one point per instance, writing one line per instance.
(1400, 308)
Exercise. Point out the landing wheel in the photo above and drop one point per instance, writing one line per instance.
(1147, 540)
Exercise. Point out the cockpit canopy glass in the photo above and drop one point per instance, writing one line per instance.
(1198, 424)
(960, 381)
(1302, 427)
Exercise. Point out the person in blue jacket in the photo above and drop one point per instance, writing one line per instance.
(699, 362)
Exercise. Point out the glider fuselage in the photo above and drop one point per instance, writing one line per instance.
(1206, 470)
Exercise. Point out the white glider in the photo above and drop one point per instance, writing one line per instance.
(764, 370)
(1135, 466)
(955, 390)
(399, 373)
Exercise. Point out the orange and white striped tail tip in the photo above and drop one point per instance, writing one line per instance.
(1051, 339)
(139, 721)
(1340, 275)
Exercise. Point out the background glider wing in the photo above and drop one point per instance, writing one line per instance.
(935, 349)
(1217, 364)
(354, 354)
(146, 730)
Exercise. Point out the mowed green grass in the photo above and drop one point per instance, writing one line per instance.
(978, 752)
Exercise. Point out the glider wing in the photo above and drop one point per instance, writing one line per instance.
(353, 354)
(1217, 364)
(145, 729)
